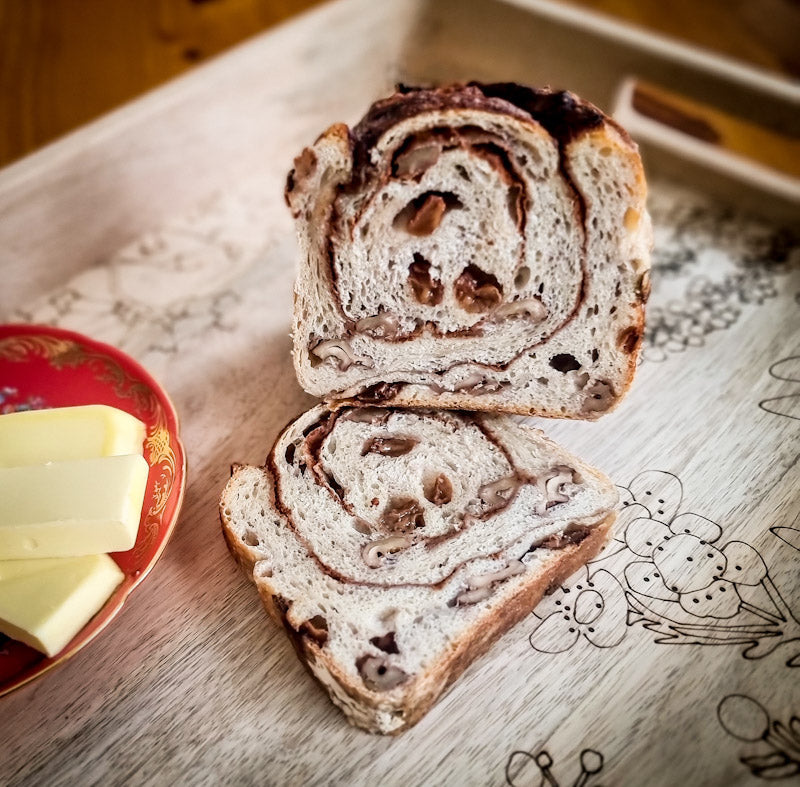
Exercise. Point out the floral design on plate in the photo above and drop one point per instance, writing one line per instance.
(528, 770)
(44, 366)
(677, 575)
(10, 401)
(747, 720)
(788, 405)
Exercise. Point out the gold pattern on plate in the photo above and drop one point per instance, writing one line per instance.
(65, 353)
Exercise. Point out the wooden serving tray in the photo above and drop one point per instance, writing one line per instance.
(161, 229)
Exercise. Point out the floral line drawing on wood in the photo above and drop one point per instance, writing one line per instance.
(707, 306)
(527, 770)
(747, 720)
(184, 280)
(748, 256)
(687, 226)
(674, 575)
(788, 405)
(789, 535)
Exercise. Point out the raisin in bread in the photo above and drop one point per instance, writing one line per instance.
(481, 247)
(395, 546)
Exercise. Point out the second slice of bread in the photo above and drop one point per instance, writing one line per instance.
(396, 546)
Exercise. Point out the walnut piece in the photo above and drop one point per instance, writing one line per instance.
(428, 216)
(336, 351)
(498, 493)
(386, 642)
(418, 157)
(383, 551)
(316, 628)
(477, 291)
(599, 397)
(480, 587)
(402, 514)
(427, 290)
(390, 445)
(551, 483)
(439, 491)
(379, 392)
(367, 415)
(530, 308)
(378, 674)
(380, 326)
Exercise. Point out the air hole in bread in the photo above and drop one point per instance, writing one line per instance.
(514, 200)
(564, 362)
(251, 538)
(386, 643)
(462, 173)
(542, 381)
(523, 277)
(316, 628)
(595, 355)
(289, 453)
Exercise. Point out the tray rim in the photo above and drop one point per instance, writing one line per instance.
(136, 109)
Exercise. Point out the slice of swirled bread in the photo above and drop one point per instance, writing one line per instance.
(395, 546)
(481, 247)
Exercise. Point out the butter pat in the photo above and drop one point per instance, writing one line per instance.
(65, 509)
(45, 603)
(33, 437)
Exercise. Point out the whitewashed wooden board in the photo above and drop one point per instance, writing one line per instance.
(162, 230)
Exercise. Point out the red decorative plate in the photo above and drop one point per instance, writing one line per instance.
(43, 367)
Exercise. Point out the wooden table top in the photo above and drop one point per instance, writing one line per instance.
(63, 62)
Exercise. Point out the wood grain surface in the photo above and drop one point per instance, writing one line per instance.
(173, 243)
(65, 62)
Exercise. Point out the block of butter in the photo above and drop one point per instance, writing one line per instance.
(78, 507)
(45, 603)
(34, 437)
